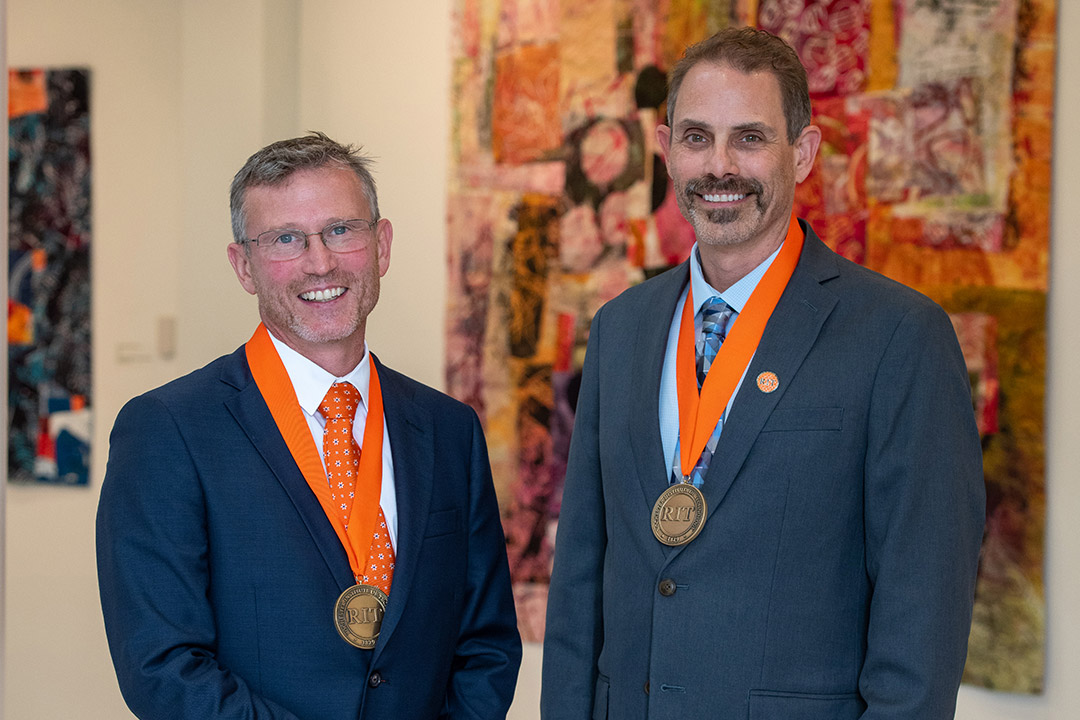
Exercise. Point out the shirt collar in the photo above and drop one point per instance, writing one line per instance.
(735, 296)
(311, 382)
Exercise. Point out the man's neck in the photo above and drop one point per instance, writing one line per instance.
(337, 362)
(338, 357)
(725, 265)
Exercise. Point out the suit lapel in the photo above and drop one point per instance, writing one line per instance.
(648, 348)
(791, 332)
(412, 444)
(251, 413)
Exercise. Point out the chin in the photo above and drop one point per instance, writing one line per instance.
(325, 332)
(722, 234)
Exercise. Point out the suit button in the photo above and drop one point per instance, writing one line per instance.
(646, 687)
(375, 679)
(667, 587)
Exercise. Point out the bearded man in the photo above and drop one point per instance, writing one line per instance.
(774, 498)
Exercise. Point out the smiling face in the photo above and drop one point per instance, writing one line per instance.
(729, 158)
(317, 303)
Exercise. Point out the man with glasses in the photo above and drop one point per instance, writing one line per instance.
(296, 530)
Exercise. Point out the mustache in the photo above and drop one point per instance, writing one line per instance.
(334, 277)
(712, 185)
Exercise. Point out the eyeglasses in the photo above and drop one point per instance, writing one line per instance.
(341, 237)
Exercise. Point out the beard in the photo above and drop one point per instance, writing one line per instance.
(277, 307)
(712, 226)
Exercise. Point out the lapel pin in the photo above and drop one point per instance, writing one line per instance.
(767, 382)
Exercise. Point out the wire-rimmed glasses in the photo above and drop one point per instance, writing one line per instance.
(343, 236)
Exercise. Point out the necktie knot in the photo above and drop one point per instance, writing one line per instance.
(340, 403)
(714, 315)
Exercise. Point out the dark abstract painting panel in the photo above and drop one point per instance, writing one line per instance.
(49, 380)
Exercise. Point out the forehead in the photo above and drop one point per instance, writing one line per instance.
(307, 197)
(721, 96)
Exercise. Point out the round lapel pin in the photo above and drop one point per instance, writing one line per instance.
(767, 382)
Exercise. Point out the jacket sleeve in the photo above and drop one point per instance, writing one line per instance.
(573, 636)
(483, 676)
(154, 580)
(924, 510)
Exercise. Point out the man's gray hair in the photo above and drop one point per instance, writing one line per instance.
(275, 163)
(750, 50)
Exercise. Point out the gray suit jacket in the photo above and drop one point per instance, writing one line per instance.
(834, 577)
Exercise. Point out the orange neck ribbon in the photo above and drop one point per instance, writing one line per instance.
(277, 390)
(699, 412)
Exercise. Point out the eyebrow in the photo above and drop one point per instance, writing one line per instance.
(759, 127)
(300, 226)
(691, 123)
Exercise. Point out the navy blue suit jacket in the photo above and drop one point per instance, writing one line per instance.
(219, 569)
(834, 577)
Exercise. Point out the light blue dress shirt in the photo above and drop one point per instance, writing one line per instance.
(736, 297)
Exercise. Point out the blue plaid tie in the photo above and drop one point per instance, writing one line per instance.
(715, 319)
(715, 314)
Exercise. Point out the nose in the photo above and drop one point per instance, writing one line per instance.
(317, 258)
(722, 161)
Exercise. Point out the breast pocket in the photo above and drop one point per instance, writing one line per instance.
(769, 705)
(805, 419)
(442, 522)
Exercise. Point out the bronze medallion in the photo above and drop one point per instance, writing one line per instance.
(679, 514)
(358, 615)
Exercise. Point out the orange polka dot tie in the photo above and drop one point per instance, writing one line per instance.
(342, 470)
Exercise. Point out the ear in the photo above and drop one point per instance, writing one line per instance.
(663, 138)
(805, 148)
(384, 237)
(241, 265)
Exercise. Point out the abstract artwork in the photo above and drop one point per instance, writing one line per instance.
(49, 276)
(934, 169)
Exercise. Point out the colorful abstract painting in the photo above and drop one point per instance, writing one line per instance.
(49, 276)
(934, 169)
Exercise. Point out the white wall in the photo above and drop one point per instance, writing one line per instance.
(182, 92)
(389, 90)
(180, 96)
(55, 657)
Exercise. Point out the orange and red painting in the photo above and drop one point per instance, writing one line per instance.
(934, 170)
